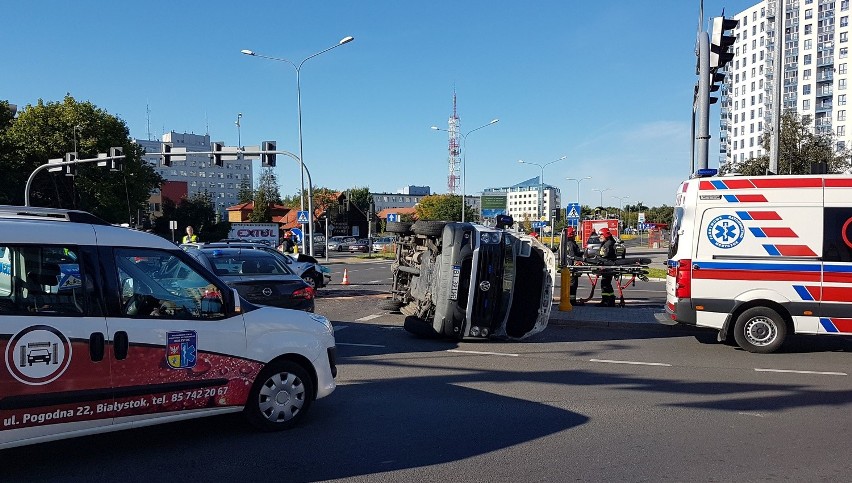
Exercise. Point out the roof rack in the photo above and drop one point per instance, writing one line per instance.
(54, 214)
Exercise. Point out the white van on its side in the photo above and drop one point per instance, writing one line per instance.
(758, 258)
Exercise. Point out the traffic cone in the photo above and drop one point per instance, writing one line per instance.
(345, 280)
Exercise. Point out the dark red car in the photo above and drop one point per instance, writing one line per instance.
(362, 245)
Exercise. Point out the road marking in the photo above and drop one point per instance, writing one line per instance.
(483, 353)
(369, 317)
(633, 363)
(822, 373)
(756, 415)
(378, 281)
(360, 345)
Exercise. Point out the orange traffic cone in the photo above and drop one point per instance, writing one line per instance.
(345, 280)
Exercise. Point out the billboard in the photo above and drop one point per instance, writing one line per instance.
(266, 233)
(492, 205)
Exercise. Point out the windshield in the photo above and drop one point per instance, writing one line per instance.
(243, 262)
(678, 217)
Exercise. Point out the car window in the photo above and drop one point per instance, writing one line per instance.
(42, 279)
(245, 262)
(157, 283)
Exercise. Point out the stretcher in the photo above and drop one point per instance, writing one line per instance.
(624, 273)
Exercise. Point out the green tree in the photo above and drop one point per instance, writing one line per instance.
(444, 207)
(799, 146)
(361, 197)
(197, 211)
(246, 193)
(268, 183)
(49, 130)
(261, 212)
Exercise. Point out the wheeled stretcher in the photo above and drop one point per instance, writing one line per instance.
(624, 273)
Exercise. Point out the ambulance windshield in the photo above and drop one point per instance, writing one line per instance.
(677, 218)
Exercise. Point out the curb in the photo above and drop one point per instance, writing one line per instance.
(605, 324)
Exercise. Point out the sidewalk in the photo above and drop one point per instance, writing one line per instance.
(634, 315)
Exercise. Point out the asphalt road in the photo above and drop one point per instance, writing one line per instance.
(646, 403)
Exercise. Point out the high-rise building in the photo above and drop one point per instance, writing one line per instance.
(198, 171)
(815, 73)
(522, 199)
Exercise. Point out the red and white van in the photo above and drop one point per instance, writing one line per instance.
(761, 257)
(104, 328)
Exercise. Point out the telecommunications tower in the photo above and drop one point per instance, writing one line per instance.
(453, 160)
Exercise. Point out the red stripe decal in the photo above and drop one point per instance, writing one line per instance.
(795, 251)
(788, 183)
(815, 292)
(751, 198)
(736, 184)
(779, 232)
(764, 215)
(838, 183)
(842, 325)
(836, 294)
(837, 277)
(765, 275)
(706, 185)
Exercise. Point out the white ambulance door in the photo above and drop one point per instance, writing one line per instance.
(836, 296)
(52, 331)
(174, 348)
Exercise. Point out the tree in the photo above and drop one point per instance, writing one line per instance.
(443, 207)
(49, 130)
(268, 183)
(198, 211)
(246, 192)
(361, 197)
(261, 212)
(799, 146)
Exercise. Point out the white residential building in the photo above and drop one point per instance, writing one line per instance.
(815, 73)
(523, 200)
(198, 171)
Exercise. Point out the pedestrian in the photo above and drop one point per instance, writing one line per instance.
(190, 236)
(287, 244)
(572, 253)
(607, 252)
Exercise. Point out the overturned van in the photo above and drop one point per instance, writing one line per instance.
(467, 280)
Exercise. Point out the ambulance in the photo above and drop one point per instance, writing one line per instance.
(105, 328)
(761, 257)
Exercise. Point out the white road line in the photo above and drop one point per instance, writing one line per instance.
(377, 281)
(360, 345)
(633, 363)
(483, 353)
(826, 373)
(368, 317)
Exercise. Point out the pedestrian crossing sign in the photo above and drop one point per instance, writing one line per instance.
(302, 216)
(572, 211)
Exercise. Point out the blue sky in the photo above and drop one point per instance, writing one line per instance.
(607, 84)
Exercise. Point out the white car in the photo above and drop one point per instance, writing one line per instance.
(147, 336)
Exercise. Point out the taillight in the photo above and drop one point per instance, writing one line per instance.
(683, 279)
(306, 293)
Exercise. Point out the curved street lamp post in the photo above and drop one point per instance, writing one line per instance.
(602, 191)
(578, 180)
(541, 182)
(298, 69)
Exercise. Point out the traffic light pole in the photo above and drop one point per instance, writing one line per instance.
(62, 164)
(704, 76)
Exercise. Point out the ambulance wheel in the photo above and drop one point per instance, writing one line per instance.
(760, 330)
(281, 396)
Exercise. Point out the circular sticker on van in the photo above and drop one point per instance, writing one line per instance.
(38, 355)
(725, 231)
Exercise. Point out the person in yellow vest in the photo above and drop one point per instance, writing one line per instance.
(190, 236)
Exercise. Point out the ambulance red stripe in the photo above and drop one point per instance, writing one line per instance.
(838, 182)
(837, 277)
(765, 275)
(795, 251)
(779, 232)
(788, 182)
(751, 198)
(836, 294)
(764, 215)
(842, 325)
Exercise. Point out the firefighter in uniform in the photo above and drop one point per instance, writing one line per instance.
(572, 252)
(607, 252)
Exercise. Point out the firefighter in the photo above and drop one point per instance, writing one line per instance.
(607, 252)
(572, 252)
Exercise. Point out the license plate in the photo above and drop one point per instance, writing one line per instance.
(454, 286)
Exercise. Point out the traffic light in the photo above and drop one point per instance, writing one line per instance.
(217, 153)
(116, 164)
(268, 160)
(70, 169)
(167, 154)
(720, 42)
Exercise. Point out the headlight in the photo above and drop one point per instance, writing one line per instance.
(474, 331)
(495, 238)
(484, 237)
(485, 332)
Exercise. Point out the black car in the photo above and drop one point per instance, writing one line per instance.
(258, 276)
(362, 245)
(593, 247)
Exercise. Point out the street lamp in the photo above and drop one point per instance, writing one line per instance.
(578, 192)
(298, 68)
(237, 122)
(601, 191)
(541, 182)
(74, 132)
(464, 159)
(621, 200)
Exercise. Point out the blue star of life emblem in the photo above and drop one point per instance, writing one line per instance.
(725, 231)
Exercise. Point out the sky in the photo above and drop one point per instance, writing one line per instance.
(607, 84)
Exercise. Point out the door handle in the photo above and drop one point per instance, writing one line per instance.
(96, 346)
(121, 344)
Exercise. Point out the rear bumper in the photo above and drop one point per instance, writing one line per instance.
(678, 312)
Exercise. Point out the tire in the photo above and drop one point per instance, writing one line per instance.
(428, 227)
(281, 395)
(398, 227)
(419, 328)
(314, 279)
(760, 330)
(390, 304)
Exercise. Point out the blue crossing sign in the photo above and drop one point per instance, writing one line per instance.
(573, 211)
(302, 217)
(539, 224)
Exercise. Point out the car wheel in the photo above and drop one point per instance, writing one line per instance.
(281, 396)
(760, 329)
(310, 280)
(428, 227)
(390, 304)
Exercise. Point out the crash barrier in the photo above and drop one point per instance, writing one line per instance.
(624, 273)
